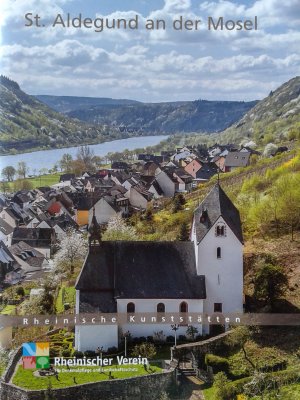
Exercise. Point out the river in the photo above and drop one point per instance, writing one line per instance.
(38, 160)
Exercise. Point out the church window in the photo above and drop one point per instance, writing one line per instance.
(130, 307)
(220, 230)
(218, 252)
(161, 308)
(218, 307)
(183, 308)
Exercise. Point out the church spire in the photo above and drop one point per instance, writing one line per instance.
(94, 231)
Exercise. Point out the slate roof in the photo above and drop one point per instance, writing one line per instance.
(5, 228)
(208, 170)
(217, 204)
(237, 159)
(35, 237)
(7, 261)
(29, 255)
(137, 270)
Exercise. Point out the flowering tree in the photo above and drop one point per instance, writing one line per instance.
(118, 230)
(71, 253)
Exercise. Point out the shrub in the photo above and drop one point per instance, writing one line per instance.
(89, 353)
(170, 339)
(54, 351)
(66, 353)
(147, 350)
(78, 354)
(112, 350)
(20, 291)
(218, 364)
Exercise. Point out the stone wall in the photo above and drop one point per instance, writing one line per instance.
(147, 387)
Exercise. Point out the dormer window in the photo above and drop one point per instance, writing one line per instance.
(204, 215)
(220, 230)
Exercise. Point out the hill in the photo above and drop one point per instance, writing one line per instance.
(28, 124)
(275, 118)
(67, 104)
(173, 117)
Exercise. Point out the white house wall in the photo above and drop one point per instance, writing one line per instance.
(103, 212)
(166, 184)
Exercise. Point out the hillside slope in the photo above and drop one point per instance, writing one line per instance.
(276, 116)
(27, 124)
(182, 116)
(67, 104)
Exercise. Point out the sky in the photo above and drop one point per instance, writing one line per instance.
(151, 66)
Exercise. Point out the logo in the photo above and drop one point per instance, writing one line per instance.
(36, 355)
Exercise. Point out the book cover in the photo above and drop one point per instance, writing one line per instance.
(149, 200)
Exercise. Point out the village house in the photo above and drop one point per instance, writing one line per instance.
(139, 197)
(107, 208)
(237, 159)
(192, 166)
(10, 270)
(204, 275)
(6, 232)
(31, 261)
(208, 170)
(41, 239)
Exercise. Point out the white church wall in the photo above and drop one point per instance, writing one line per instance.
(92, 336)
(223, 276)
(150, 306)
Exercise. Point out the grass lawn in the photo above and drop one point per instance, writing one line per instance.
(25, 378)
(8, 310)
(209, 394)
(43, 180)
(65, 295)
(290, 392)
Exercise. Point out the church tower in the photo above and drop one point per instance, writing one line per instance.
(218, 243)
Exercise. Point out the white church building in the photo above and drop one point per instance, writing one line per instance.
(203, 275)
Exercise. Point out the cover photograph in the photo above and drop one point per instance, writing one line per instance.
(149, 200)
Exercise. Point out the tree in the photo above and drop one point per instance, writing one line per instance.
(147, 350)
(184, 232)
(71, 253)
(221, 386)
(270, 283)
(22, 169)
(66, 162)
(85, 154)
(9, 173)
(22, 184)
(178, 203)
(191, 332)
(270, 150)
(239, 337)
(118, 230)
(288, 189)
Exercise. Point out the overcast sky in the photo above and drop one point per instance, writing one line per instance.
(151, 65)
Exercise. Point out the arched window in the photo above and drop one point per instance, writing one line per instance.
(130, 308)
(219, 253)
(183, 308)
(161, 308)
(220, 230)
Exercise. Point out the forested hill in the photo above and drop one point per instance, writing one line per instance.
(277, 117)
(28, 124)
(172, 117)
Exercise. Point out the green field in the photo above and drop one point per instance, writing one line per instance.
(38, 181)
(24, 377)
